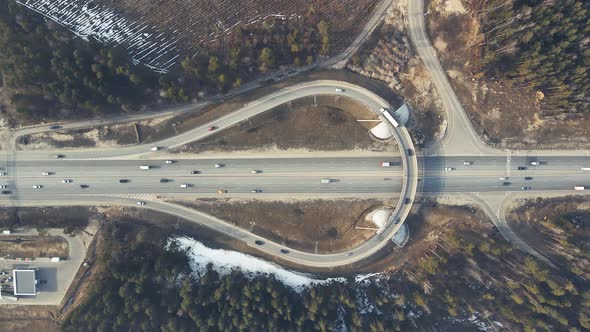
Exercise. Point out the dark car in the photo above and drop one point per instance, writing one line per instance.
(123, 181)
(506, 183)
(407, 200)
(528, 177)
(6, 192)
(521, 168)
(59, 156)
(258, 242)
(195, 172)
(284, 251)
(410, 152)
(84, 186)
(55, 127)
(164, 180)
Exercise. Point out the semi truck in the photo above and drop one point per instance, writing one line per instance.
(326, 181)
(579, 188)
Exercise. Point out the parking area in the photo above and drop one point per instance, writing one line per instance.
(53, 277)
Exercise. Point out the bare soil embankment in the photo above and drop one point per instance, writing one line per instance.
(13, 246)
(320, 226)
(321, 123)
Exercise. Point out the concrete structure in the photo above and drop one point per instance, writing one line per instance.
(25, 282)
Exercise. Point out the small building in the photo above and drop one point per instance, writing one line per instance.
(25, 281)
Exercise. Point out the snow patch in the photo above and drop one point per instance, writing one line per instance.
(224, 261)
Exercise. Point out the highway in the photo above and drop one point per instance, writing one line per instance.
(438, 170)
(295, 175)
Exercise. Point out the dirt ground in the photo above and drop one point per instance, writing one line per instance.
(534, 220)
(33, 246)
(330, 126)
(427, 223)
(28, 318)
(320, 226)
(506, 116)
(156, 129)
(388, 56)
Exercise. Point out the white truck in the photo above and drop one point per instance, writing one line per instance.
(579, 188)
(326, 181)
(384, 163)
(55, 259)
(144, 167)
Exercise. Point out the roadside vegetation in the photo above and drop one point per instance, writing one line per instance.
(542, 46)
(460, 275)
(49, 74)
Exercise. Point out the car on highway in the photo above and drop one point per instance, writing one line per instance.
(467, 163)
(410, 152)
(534, 163)
(339, 90)
(164, 180)
(37, 186)
(396, 221)
(284, 251)
(155, 148)
(506, 183)
(55, 127)
(169, 161)
(256, 171)
(66, 181)
(6, 192)
(221, 191)
(407, 200)
(219, 165)
(503, 178)
(59, 156)
(525, 188)
(258, 242)
(84, 186)
(528, 177)
(323, 181)
(212, 128)
(195, 172)
(141, 203)
(2, 186)
(449, 168)
(521, 168)
(349, 253)
(2, 173)
(185, 185)
(123, 180)
(256, 190)
(46, 173)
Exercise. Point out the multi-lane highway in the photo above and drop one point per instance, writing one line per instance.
(113, 176)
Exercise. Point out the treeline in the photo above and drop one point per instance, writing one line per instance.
(143, 287)
(541, 45)
(55, 75)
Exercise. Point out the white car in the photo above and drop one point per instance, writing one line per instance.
(155, 148)
(141, 203)
(448, 168)
(534, 163)
(256, 190)
(37, 186)
(185, 185)
(66, 181)
(2, 173)
(349, 253)
(218, 165)
(256, 171)
(45, 173)
(169, 161)
(504, 178)
(339, 90)
(2, 186)
(467, 163)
